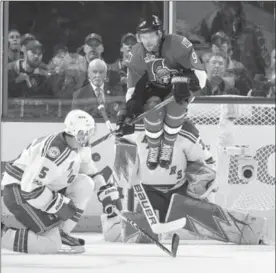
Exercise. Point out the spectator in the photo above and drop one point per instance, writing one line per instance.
(117, 72)
(26, 77)
(234, 69)
(271, 74)
(247, 40)
(14, 45)
(68, 72)
(24, 40)
(96, 91)
(93, 47)
(217, 83)
(262, 87)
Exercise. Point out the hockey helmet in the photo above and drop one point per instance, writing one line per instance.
(149, 24)
(80, 125)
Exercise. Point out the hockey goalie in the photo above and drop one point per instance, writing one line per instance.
(180, 191)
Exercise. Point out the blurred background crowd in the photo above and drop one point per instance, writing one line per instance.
(51, 46)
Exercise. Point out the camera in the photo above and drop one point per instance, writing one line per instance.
(247, 169)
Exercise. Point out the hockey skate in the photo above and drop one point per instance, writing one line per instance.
(153, 156)
(71, 244)
(166, 154)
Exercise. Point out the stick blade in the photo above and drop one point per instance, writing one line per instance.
(169, 227)
(175, 244)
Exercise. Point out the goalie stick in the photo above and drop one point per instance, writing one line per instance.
(135, 120)
(149, 213)
(175, 238)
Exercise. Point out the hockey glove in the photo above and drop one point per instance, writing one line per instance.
(123, 124)
(194, 82)
(180, 88)
(62, 207)
(108, 195)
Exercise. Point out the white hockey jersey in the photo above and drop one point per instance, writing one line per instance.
(188, 149)
(47, 165)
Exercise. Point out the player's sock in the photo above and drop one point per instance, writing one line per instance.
(26, 241)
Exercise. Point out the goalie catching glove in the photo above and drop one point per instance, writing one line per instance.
(63, 207)
(181, 89)
(108, 195)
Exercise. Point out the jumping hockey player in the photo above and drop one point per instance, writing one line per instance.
(167, 64)
(47, 189)
(180, 191)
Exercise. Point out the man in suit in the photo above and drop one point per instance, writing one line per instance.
(96, 91)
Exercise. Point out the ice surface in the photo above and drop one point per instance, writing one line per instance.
(102, 257)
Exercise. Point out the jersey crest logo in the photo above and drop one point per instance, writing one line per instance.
(161, 73)
(53, 152)
(186, 42)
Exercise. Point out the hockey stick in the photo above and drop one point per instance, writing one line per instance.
(175, 238)
(149, 213)
(141, 116)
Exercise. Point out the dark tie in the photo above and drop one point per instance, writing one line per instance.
(99, 95)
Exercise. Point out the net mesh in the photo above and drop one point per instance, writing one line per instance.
(253, 125)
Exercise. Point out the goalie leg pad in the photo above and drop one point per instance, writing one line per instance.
(111, 228)
(130, 234)
(214, 222)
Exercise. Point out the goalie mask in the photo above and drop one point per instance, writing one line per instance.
(81, 126)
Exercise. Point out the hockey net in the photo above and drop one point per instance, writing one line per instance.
(253, 126)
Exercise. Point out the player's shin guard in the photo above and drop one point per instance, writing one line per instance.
(154, 129)
(214, 222)
(26, 241)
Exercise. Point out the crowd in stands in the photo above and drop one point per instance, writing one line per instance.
(237, 62)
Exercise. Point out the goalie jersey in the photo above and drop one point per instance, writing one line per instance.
(47, 165)
(189, 151)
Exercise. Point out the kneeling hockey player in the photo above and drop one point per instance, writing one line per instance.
(167, 64)
(179, 191)
(47, 189)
